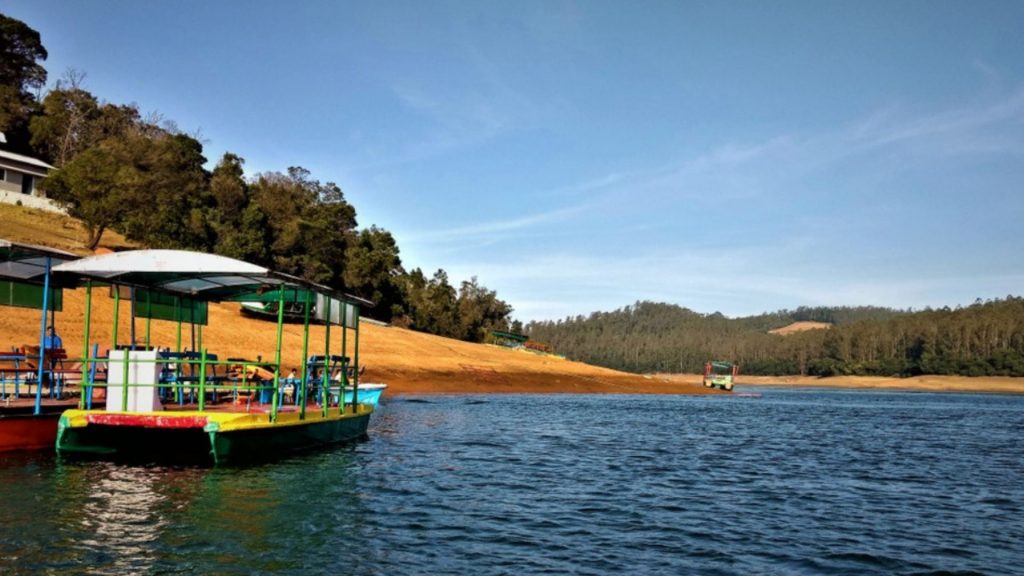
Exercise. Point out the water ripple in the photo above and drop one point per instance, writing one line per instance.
(797, 482)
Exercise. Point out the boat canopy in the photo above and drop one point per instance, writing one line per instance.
(23, 270)
(198, 276)
(27, 262)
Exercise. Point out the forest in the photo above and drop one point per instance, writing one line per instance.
(139, 174)
(983, 339)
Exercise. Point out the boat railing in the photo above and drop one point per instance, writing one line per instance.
(188, 379)
(19, 368)
(195, 380)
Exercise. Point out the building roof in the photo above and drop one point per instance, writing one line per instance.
(25, 160)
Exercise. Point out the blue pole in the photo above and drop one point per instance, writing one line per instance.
(42, 340)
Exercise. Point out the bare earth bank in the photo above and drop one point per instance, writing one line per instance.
(991, 384)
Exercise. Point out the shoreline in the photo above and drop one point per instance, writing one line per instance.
(926, 383)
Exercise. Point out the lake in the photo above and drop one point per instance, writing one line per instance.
(794, 482)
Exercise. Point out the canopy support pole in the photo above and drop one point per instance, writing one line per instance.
(86, 384)
(355, 354)
(277, 354)
(42, 340)
(326, 377)
(149, 316)
(344, 354)
(301, 393)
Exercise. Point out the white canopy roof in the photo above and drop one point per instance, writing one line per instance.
(195, 274)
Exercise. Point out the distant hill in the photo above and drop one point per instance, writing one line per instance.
(983, 339)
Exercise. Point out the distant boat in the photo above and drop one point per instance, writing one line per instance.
(720, 374)
(268, 311)
(369, 393)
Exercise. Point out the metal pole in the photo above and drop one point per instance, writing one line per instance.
(325, 377)
(344, 355)
(344, 344)
(124, 382)
(149, 315)
(117, 310)
(277, 353)
(42, 340)
(178, 388)
(202, 380)
(86, 374)
(355, 376)
(305, 358)
(132, 332)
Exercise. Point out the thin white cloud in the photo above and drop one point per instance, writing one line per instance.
(485, 229)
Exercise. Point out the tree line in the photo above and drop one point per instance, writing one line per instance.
(983, 339)
(117, 169)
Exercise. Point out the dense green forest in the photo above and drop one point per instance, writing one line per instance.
(145, 178)
(984, 339)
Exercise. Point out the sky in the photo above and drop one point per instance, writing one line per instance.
(738, 157)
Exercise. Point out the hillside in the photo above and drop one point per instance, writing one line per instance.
(797, 327)
(49, 229)
(985, 338)
(409, 362)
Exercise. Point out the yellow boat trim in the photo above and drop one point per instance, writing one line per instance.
(221, 421)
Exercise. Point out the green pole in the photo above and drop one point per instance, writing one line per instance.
(326, 380)
(124, 382)
(355, 374)
(344, 343)
(149, 315)
(305, 364)
(177, 366)
(344, 355)
(86, 384)
(202, 380)
(199, 328)
(117, 310)
(277, 353)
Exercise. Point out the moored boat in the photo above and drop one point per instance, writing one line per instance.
(190, 405)
(29, 411)
(369, 393)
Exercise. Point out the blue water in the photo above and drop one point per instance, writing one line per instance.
(795, 482)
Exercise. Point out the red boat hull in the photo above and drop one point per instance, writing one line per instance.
(20, 429)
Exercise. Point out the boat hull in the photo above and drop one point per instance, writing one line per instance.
(22, 429)
(203, 438)
(368, 394)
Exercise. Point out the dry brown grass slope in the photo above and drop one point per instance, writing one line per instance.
(409, 362)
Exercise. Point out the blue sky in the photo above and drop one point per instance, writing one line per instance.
(578, 156)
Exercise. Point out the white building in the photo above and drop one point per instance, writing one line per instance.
(19, 179)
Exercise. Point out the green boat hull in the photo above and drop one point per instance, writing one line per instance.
(205, 446)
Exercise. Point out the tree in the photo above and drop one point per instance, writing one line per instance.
(148, 184)
(72, 120)
(21, 49)
(480, 311)
(310, 224)
(372, 271)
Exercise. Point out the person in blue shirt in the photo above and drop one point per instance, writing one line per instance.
(52, 340)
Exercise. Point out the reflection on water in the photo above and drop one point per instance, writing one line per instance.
(120, 513)
(107, 518)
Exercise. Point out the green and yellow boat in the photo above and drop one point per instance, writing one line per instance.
(188, 405)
